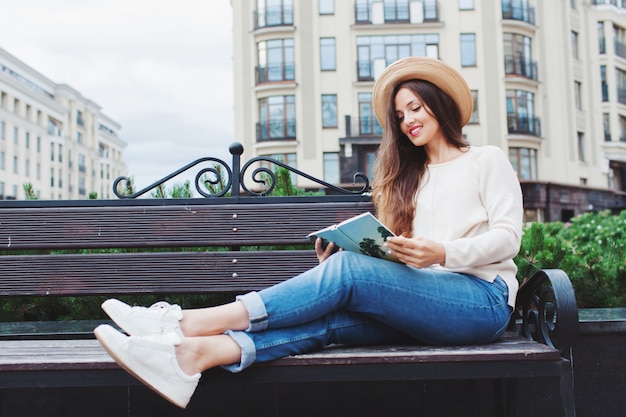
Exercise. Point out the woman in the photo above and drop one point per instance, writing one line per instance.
(457, 210)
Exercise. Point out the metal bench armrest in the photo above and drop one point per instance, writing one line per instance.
(546, 305)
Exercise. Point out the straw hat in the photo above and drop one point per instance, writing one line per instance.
(421, 68)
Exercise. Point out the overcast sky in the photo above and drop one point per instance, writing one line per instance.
(160, 68)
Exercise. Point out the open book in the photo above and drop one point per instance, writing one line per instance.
(360, 234)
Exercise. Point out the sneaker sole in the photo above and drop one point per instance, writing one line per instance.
(103, 333)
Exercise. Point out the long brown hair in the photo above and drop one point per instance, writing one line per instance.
(400, 165)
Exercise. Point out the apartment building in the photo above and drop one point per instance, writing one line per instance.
(53, 138)
(548, 79)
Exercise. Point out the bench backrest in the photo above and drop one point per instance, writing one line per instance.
(202, 247)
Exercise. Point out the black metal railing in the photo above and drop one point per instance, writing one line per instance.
(273, 16)
(219, 179)
(524, 125)
(275, 73)
(521, 66)
(396, 13)
(362, 127)
(276, 130)
(521, 13)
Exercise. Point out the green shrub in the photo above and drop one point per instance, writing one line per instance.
(590, 249)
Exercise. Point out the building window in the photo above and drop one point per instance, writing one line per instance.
(331, 167)
(328, 59)
(15, 135)
(601, 38)
(622, 128)
(524, 161)
(474, 116)
(578, 95)
(518, 10)
(81, 163)
(468, 49)
(521, 113)
(15, 165)
(375, 53)
(79, 118)
(60, 153)
(38, 144)
(27, 140)
(380, 12)
(603, 84)
(466, 4)
(326, 6)
(277, 118)
(274, 13)
(620, 81)
(580, 137)
(574, 40)
(27, 168)
(619, 40)
(2, 130)
(2, 163)
(52, 152)
(276, 61)
(368, 124)
(518, 56)
(329, 110)
(606, 125)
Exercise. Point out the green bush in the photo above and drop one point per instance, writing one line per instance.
(591, 249)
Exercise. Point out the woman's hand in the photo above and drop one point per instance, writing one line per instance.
(418, 252)
(323, 254)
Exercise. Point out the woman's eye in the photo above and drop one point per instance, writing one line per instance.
(418, 108)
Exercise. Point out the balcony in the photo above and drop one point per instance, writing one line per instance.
(518, 12)
(523, 125)
(396, 13)
(274, 73)
(521, 66)
(363, 127)
(276, 130)
(273, 16)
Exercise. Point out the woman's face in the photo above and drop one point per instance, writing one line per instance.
(415, 119)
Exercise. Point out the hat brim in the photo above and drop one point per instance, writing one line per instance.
(422, 68)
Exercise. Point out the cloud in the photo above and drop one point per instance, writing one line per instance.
(162, 69)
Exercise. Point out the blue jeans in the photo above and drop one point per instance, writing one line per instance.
(354, 299)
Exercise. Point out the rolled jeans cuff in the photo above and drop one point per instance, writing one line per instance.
(255, 306)
(248, 351)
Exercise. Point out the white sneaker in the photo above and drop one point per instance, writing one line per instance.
(152, 360)
(160, 318)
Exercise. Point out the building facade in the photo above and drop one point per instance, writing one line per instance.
(548, 80)
(53, 138)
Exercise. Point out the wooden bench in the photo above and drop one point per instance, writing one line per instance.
(242, 228)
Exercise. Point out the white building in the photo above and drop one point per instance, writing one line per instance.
(549, 80)
(53, 138)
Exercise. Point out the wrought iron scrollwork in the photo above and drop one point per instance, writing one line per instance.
(228, 179)
(547, 306)
(215, 178)
(264, 175)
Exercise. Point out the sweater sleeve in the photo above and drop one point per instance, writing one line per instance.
(501, 196)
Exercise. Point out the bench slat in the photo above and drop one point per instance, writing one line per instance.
(43, 355)
(168, 226)
(150, 272)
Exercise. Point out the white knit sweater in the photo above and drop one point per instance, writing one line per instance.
(473, 205)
